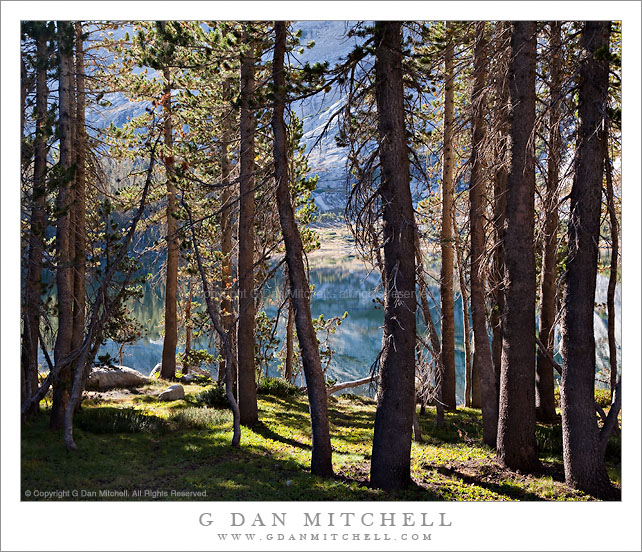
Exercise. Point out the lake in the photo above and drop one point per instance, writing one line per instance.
(340, 287)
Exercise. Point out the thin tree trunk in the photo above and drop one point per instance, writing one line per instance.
(247, 306)
(226, 224)
(289, 344)
(516, 445)
(583, 458)
(432, 330)
(448, 382)
(299, 287)
(476, 396)
(225, 337)
(482, 360)
(64, 272)
(615, 250)
(390, 467)
(463, 290)
(33, 292)
(79, 208)
(545, 382)
(168, 362)
(188, 326)
(499, 210)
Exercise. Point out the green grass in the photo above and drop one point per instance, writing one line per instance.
(138, 443)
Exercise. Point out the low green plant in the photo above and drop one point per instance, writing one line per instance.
(118, 420)
(198, 418)
(277, 387)
(213, 396)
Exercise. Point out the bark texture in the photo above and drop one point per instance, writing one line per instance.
(247, 305)
(583, 459)
(482, 361)
(79, 205)
(299, 287)
(448, 381)
(545, 382)
(390, 467)
(168, 362)
(516, 445)
(64, 272)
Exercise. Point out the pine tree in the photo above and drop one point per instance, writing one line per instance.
(516, 445)
(390, 467)
(582, 442)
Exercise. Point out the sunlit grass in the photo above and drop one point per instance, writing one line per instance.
(137, 442)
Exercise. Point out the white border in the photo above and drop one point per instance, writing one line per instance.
(478, 526)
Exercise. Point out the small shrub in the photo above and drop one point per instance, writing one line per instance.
(118, 420)
(277, 387)
(213, 396)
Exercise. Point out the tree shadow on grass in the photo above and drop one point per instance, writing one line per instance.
(502, 487)
(268, 433)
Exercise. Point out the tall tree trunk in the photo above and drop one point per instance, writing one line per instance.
(463, 290)
(226, 224)
(79, 208)
(545, 381)
(615, 250)
(299, 287)
(390, 467)
(247, 305)
(516, 445)
(64, 272)
(448, 381)
(583, 458)
(33, 291)
(482, 360)
(168, 362)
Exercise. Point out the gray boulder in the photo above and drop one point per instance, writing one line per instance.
(105, 377)
(172, 393)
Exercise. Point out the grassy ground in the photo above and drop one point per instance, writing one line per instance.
(133, 442)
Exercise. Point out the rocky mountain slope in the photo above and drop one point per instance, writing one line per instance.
(326, 159)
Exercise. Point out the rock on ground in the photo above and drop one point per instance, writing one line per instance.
(172, 393)
(105, 377)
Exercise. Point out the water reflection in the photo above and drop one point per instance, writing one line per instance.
(357, 341)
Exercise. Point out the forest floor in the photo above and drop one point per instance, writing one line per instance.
(131, 441)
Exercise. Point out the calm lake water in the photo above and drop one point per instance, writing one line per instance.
(357, 341)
